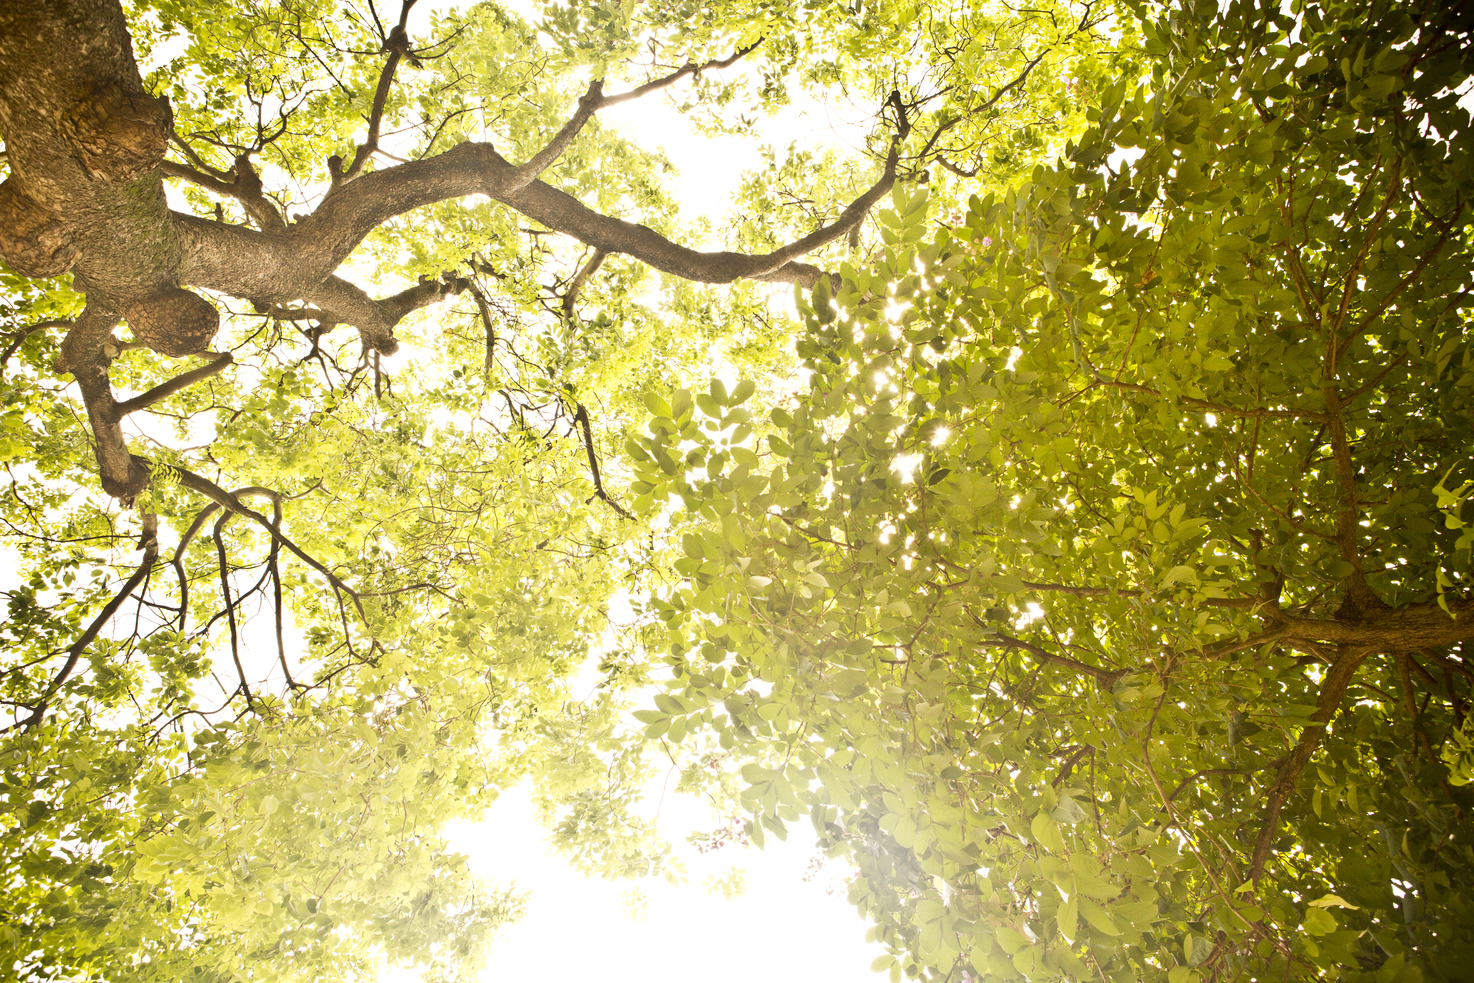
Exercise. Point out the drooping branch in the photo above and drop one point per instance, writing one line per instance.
(148, 541)
(563, 213)
(273, 568)
(228, 500)
(235, 648)
(484, 310)
(581, 418)
(193, 530)
(85, 354)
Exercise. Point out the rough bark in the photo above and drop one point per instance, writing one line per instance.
(86, 142)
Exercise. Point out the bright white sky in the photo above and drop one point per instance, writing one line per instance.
(782, 926)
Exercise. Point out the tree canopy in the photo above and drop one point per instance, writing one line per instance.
(1082, 552)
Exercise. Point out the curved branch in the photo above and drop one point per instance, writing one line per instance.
(177, 562)
(19, 337)
(228, 500)
(579, 278)
(148, 542)
(85, 354)
(280, 268)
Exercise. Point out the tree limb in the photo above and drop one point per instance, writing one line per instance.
(246, 189)
(19, 337)
(586, 271)
(235, 649)
(581, 417)
(228, 500)
(397, 44)
(1104, 678)
(177, 384)
(1333, 687)
(85, 355)
(278, 269)
(148, 542)
(690, 68)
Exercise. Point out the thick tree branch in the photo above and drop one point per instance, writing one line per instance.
(1390, 629)
(279, 269)
(85, 354)
(246, 189)
(177, 384)
(344, 303)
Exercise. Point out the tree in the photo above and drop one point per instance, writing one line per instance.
(234, 748)
(1102, 596)
(1110, 576)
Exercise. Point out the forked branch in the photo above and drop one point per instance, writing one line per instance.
(397, 45)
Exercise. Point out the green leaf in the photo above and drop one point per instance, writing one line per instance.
(1098, 918)
(658, 406)
(1068, 919)
(1046, 832)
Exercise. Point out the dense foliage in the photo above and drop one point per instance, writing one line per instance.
(1108, 574)
(1086, 556)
